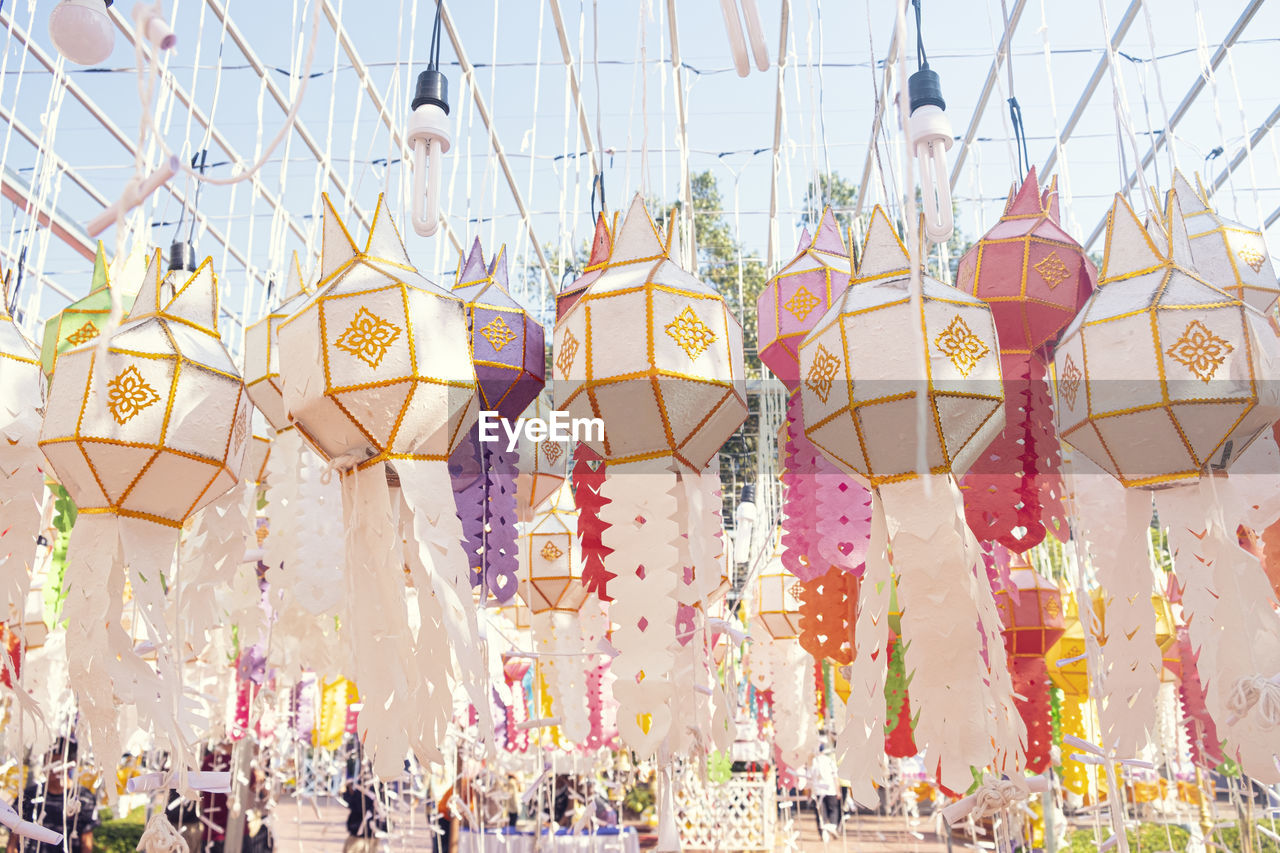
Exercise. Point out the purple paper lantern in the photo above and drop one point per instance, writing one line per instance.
(506, 343)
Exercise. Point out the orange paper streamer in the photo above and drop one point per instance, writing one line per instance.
(828, 611)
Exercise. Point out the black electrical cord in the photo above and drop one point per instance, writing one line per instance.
(921, 58)
(433, 52)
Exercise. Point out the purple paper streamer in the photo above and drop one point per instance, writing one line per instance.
(501, 559)
(465, 472)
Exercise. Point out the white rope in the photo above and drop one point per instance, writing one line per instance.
(160, 836)
(1259, 692)
(1004, 96)
(1248, 137)
(1168, 134)
(1064, 172)
(1207, 72)
(290, 117)
(1120, 103)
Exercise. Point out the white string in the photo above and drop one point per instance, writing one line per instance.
(1248, 137)
(1207, 72)
(290, 117)
(1120, 103)
(1064, 172)
(1168, 134)
(1004, 96)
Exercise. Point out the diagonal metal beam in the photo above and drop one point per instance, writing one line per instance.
(123, 25)
(890, 58)
(1001, 54)
(299, 127)
(468, 73)
(1185, 104)
(60, 78)
(1256, 137)
(777, 131)
(384, 112)
(17, 190)
(567, 53)
(1122, 29)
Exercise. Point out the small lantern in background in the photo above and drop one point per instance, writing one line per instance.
(1231, 255)
(597, 262)
(262, 351)
(82, 320)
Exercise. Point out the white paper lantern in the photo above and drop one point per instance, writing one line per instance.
(1232, 256)
(262, 351)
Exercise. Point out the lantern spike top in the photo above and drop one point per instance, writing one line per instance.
(101, 278)
(1049, 201)
(638, 240)
(4, 292)
(471, 269)
(498, 267)
(294, 282)
(1027, 201)
(602, 243)
(337, 248)
(192, 300)
(1179, 241)
(1193, 199)
(883, 254)
(827, 238)
(385, 243)
(1130, 248)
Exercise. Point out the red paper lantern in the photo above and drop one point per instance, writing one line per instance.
(1035, 278)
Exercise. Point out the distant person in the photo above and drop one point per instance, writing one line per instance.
(824, 785)
(61, 804)
(365, 818)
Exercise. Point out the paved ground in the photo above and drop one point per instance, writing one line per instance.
(320, 828)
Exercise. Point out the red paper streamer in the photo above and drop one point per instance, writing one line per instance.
(1206, 748)
(1031, 680)
(587, 478)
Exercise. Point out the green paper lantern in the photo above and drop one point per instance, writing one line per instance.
(82, 320)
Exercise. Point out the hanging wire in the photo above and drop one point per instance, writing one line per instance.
(921, 58)
(598, 179)
(433, 52)
(1015, 109)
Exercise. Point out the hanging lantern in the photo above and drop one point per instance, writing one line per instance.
(1232, 256)
(1066, 658)
(262, 351)
(1033, 621)
(686, 357)
(141, 430)
(1035, 277)
(82, 320)
(655, 354)
(597, 262)
(544, 465)
(506, 343)
(508, 354)
(791, 302)
(863, 374)
(553, 570)
(21, 481)
(798, 295)
(1164, 341)
(777, 601)
(1179, 381)
(377, 378)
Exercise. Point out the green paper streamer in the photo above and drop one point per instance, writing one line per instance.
(64, 518)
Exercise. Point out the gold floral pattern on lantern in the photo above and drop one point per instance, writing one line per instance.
(368, 337)
(128, 394)
(822, 373)
(550, 551)
(568, 351)
(1053, 270)
(84, 334)
(498, 333)
(551, 450)
(1200, 350)
(693, 335)
(1252, 257)
(801, 303)
(1069, 382)
(958, 343)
